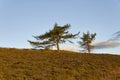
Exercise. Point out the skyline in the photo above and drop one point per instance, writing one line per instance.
(20, 20)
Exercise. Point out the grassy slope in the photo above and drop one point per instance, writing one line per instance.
(18, 64)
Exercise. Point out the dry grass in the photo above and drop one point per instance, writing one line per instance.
(24, 64)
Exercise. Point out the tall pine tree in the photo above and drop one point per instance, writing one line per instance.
(86, 41)
(56, 36)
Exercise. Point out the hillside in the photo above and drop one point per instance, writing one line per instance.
(16, 64)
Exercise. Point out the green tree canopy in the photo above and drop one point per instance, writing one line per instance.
(86, 41)
(54, 37)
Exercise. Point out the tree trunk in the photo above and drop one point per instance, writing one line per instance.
(58, 47)
(88, 48)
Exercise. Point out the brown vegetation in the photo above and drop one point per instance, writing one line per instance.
(16, 64)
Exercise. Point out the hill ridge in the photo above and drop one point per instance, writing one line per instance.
(27, 64)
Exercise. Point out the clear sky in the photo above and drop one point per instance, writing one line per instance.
(20, 19)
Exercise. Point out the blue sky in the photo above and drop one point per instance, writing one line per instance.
(20, 19)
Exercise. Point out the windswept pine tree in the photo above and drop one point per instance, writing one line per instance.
(86, 41)
(56, 36)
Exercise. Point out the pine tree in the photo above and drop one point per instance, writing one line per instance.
(87, 39)
(56, 36)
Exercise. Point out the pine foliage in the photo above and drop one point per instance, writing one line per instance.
(86, 41)
(54, 37)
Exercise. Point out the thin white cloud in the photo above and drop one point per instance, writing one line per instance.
(69, 47)
(111, 43)
(116, 35)
(106, 44)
